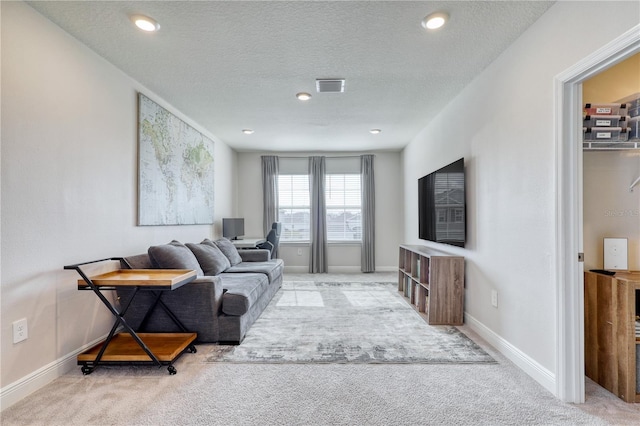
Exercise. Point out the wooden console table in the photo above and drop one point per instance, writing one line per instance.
(611, 340)
(433, 282)
(131, 347)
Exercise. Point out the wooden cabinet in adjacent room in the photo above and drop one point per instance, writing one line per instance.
(612, 332)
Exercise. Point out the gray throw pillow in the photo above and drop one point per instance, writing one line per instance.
(174, 255)
(210, 258)
(229, 250)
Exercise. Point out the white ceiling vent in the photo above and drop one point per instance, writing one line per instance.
(330, 85)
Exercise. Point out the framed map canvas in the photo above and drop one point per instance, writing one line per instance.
(175, 169)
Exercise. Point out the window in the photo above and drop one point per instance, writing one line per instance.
(343, 200)
(294, 207)
(344, 207)
(457, 215)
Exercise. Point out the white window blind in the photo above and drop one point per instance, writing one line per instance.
(343, 201)
(344, 207)
(294, 207)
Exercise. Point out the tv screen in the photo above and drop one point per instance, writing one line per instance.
(441, 205)
(232, 228)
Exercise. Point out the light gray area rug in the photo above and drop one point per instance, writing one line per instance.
(225, 393)
(347, 322)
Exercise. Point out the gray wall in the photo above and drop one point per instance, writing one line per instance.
(69, 190)
(507, 137)
(610, 209)
(342, 257)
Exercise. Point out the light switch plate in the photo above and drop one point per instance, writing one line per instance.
(615, 253)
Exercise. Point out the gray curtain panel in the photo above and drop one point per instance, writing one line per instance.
(368, 261)
(318, 259)
(270, 191)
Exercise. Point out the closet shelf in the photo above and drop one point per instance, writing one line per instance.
(610, 146)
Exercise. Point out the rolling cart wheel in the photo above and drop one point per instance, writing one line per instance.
(172, 370)
(193, 349)
(86, 370)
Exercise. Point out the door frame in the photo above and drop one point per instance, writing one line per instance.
(570, 378)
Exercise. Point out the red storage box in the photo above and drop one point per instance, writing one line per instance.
(605, 109)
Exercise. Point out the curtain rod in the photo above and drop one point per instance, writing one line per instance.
(326, 156)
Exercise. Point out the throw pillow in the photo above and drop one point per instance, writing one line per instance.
(210, 258)
(229, 250)
(174, 255)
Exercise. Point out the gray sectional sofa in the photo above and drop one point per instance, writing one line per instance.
(232, 289)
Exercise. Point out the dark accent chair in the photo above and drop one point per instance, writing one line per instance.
(273, 239)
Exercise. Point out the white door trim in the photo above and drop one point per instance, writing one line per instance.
(570, 382)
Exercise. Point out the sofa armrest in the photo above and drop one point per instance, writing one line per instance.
(255, 255)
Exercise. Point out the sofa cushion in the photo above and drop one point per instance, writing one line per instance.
(174, 255)
(241, 291)
(211, 259)
(272, 268)
(255, 255)
(139, 261)
(229, 250)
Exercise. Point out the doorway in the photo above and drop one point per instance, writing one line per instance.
(570, 379)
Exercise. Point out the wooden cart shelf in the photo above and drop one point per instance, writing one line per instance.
(165, 279)
(123, 348)
(129, 345)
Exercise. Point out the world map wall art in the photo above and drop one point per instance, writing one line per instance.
(175, 169)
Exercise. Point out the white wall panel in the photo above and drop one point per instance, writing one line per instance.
(69, 186)
(504, 128)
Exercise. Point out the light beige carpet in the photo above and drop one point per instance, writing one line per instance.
(312, 394)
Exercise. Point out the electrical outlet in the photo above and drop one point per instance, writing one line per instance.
(299, 252)
(494, 298)
(20, 330)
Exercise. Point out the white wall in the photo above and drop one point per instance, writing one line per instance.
(610, 209)
(505, 132)
(341, 257)
(69, 185)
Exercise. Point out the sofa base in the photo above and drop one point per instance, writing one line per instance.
(199, 304)
(233, 328)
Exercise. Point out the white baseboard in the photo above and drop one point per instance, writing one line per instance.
(387, 268)
(25, 386)
(539, 373)
(337, 269)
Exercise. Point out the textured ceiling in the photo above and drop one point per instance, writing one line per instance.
(231, 65)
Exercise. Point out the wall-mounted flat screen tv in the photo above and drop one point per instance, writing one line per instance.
(441, 205)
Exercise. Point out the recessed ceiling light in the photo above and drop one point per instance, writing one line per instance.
(145, 23)
(375, 131)
(435, 20)
(247, 131)
(303, 96)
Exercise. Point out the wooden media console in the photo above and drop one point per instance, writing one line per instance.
(433, 282)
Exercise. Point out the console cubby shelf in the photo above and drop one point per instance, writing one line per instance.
(433, 282)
